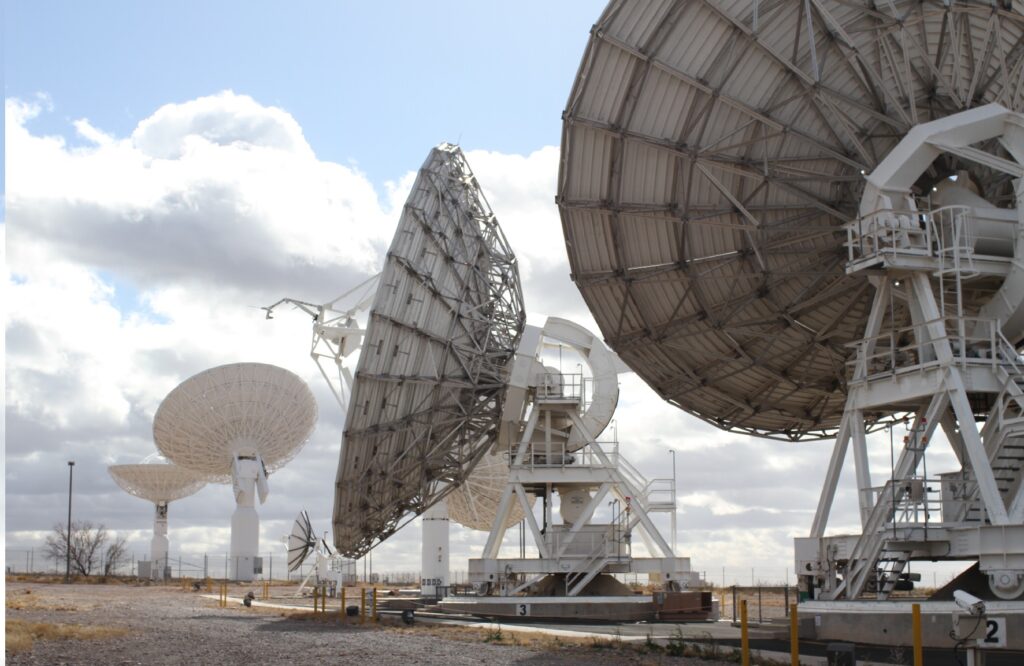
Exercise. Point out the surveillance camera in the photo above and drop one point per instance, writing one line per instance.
(969, 603)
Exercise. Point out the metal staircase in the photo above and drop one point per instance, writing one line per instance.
(653, 495)
(867, 553)
(1003, 436)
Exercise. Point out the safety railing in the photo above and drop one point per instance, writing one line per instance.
(558, 454)
(554, 385)
(914, 502)
(972, 341)
(889, 232)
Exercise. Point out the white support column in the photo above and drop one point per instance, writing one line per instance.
(497, 533)
(975, 449)
(160, 545)
(434, 557)
(956, 442)
(245, 522)
(835, 467)
(865, 495)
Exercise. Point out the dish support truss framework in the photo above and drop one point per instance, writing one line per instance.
(557, 451)
(949, 368)
(430, 383)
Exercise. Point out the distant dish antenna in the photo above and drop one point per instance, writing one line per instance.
(301, 541)
(430, 383)
(301, 544)
(237, 423)
(160, 482)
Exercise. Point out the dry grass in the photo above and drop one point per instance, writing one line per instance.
(20, 634)
(26, 600)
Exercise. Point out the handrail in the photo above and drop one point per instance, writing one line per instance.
(972, 341)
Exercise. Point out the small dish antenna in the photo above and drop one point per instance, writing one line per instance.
(161, 482)
(237, 424)
(302, 542)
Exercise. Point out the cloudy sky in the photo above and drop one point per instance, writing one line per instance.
(172, 167)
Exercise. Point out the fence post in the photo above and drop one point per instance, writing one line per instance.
(918, 648)
(794, 636)
(375, 616)
(362, 605)
(760, 616)
(785, 595)
(744, 638)
(341, 611)
(734, 604)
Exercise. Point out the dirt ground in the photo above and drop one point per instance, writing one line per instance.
(51, 623)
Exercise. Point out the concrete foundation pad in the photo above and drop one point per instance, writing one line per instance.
(890, 622)
(591, 609)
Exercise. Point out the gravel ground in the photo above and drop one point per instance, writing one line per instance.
(169, 626)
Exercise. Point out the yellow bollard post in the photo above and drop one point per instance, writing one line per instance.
(376, 618)
(744, 638)
(362, 605)
(794, 637)
(918, 647)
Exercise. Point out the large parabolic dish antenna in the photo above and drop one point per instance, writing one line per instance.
(711, 154)
(240, 409)
(430, 382)
(237, 423)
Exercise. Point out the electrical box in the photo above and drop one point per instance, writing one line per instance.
(808, 556)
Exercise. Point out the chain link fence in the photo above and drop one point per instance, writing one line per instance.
(217, 566)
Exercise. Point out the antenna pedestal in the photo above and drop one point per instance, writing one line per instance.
(434, 571)
(245, 522)
(160, 545)
(935, 350)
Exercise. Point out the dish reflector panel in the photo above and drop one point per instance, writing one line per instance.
(711, 153)
(300, 542)
(157, 482)
(430, 381)
(247, 409)
(474, 504)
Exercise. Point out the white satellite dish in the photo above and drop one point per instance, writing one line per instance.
(237, 423)
(431, 379)
(160, 482)
(302, 542)
(730, 175)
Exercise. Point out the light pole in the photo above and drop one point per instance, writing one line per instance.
(674, 500)
(67, 548)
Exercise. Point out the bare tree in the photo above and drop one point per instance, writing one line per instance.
(86, 541)
(117, 553)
